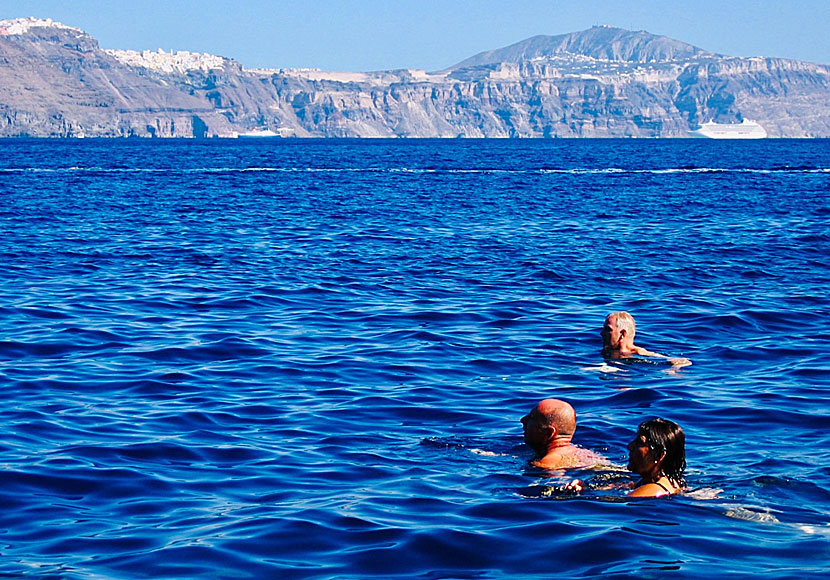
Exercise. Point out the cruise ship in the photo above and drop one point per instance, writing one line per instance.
(745, 130)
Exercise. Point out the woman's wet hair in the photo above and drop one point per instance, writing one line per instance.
(664, 436)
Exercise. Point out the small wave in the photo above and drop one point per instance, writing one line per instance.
(602, 368)
(752, 514)
(223, 350)
(704, 493)
(815, 530)
(485, 453)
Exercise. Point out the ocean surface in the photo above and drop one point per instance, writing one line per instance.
(308, 359)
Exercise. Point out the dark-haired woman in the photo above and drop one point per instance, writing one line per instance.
(658, 455)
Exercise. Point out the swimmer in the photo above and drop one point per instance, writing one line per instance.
(548, 430)
(618, 340)
(658, 455)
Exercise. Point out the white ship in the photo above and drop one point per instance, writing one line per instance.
(745, 130)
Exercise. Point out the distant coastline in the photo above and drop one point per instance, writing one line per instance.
(604, 82)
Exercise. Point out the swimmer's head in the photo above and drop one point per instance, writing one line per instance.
(667, 445)
(550, 423)
(618, 327)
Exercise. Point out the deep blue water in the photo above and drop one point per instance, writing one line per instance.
(308, 359)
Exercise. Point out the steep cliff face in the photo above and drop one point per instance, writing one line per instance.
(55, 81)
(540, 108)
(603, 82)
(549, 98)
(789, 98)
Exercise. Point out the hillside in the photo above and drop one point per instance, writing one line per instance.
(599, 42)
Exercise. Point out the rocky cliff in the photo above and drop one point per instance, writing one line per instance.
(602, 82)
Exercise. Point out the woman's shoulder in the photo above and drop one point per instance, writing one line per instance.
(656, 489)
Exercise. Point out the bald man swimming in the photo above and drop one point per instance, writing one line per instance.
(548, 430)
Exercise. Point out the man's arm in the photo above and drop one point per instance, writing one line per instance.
(680, 362)
(676, 362)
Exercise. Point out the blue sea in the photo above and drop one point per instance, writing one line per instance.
(308, 359)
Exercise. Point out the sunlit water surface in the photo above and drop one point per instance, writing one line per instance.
(308, 359)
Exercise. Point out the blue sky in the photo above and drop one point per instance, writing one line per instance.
(362, 35)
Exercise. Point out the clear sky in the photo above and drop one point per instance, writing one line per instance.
(363, 35)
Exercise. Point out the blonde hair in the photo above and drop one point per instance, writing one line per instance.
(624, 321)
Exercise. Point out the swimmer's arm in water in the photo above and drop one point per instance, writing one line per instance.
(676, 362)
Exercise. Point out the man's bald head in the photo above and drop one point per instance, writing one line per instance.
(558, 414)
(548, 430)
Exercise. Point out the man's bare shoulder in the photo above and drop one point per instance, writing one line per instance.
(591, 458)
(573, 457)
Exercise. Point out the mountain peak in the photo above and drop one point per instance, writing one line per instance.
(600, 42)
(171, 62)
